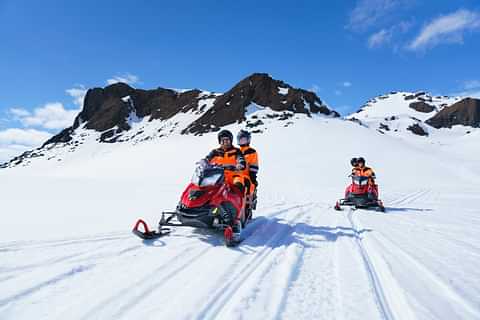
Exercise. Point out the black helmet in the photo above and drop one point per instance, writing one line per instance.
(244, 134)
(225, 134)
(361, 159)
(354, 162)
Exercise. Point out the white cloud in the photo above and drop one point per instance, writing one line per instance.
(338, 92)
(368, 12)
(78, 94)
(19, 112)
(470, 88)
(10, 151)
(347, 84)
(126, 78)
(446, 29)
(379, 38)
(23, 137)
(51, 116)
(385, 35)
(14, 142)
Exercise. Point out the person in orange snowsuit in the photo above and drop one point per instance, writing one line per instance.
(360, 169)
(228, 155)
(251, 170)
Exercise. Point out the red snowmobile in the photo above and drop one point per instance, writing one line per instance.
(361, 195)
(207, 202)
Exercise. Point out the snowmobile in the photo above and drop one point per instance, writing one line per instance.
(361, 195)
(207, 202)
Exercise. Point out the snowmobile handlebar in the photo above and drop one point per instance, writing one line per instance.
(204, 164)
(229, 167)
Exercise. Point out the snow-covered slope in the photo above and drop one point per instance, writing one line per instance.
(119, 113)
(66, 250)
(404, 115)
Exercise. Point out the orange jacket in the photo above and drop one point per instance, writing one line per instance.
(251, 158)
(364, 172)
(233, 157)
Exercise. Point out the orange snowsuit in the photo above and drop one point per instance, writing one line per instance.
(251, 170)
(364, 172)
(230, 157)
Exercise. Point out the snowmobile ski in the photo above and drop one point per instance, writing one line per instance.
(148, 234)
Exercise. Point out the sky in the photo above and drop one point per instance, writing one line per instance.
(347, 51)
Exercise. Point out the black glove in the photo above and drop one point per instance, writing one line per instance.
(253, 178)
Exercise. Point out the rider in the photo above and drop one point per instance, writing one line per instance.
(243, 139)
(360, 169)
(228, 155)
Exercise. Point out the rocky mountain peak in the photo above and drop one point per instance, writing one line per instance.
(257, 90)
(465, 112)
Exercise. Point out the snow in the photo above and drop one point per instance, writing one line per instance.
(66, 250)
(283, 91)
(392, 110)
(253, 108)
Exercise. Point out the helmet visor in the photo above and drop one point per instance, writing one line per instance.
(225, 141)
(243, 140)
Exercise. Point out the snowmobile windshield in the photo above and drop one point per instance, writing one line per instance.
(360, 180)
(205, 177)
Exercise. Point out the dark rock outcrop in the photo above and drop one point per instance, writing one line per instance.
(422, 106)
(418, 130)
(264, 91)
(465, 112)
(108, 109)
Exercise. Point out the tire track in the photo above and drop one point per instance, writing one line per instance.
(24, 245)
(44, 284)
(264, 259)
(380, 298)
(410, 197)
(419, 268)
(173, 266)
(316, 274)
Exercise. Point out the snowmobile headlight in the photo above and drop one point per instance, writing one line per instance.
(210, 180)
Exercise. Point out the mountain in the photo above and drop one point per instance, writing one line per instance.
(465, 112)
(67, 252)
(120, 113)
(113, 110)
(69, 206)
(404, 113)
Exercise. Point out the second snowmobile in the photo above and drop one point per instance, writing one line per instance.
(360, 194)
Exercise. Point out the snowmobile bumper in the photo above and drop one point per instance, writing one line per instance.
(360, 202)
(148, 234)
(205, 217)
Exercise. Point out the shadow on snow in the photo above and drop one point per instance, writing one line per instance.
(274, 233)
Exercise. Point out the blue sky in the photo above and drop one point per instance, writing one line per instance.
(347, 51)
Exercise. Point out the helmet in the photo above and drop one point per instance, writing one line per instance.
(361, 159)
(243, 134)
(354, 162)
(225, 134)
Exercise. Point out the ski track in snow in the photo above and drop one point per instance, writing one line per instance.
(388, 305)
(259, 265)
(290, 254)
(412, 265)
